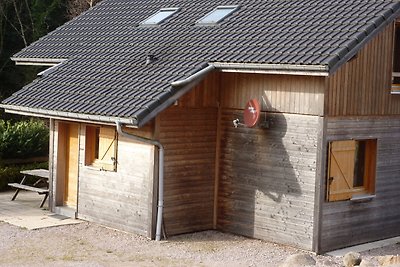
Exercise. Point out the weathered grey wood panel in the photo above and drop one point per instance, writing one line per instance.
(119, 199)
(267, 178)
(346, 223)
(189, 139)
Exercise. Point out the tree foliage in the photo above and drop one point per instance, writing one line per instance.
(23, 139)
(76, 7)
(23, 22)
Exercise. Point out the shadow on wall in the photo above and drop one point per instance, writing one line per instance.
(258, 183)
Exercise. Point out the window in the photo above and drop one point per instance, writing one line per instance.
(101, 148)
(396, 60)
(351, 169)
(217, 14)
(160, 16)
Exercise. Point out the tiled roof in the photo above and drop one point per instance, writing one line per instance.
(106, 72)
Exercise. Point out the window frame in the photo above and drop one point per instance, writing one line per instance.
(369, 159)
(149, 22)
(210, 23)
(96, 139)
(395, 87)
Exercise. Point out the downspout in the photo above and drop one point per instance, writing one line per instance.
(160, 204)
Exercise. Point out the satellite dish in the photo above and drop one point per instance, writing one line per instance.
(251, 113)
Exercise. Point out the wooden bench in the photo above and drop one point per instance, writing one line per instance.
(43, 176)
(40, 191)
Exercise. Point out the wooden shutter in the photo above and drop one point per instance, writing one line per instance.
(341, 170)
(107, 149)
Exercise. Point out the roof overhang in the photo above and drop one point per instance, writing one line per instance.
(287, 69)
(69, 116)
(37, 61)
(184, 86)
(369, 36)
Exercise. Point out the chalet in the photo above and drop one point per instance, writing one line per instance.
(146, 102)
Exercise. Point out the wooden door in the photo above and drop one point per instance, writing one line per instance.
(341, 170)
(71, 170)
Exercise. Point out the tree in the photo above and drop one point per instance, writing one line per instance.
(21, 23)
(76, 7)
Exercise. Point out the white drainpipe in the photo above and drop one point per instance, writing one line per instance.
(160, 173)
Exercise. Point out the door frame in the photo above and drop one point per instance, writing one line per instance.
(61, 150)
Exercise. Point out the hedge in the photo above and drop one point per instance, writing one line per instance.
(11, 174)
(23, 139)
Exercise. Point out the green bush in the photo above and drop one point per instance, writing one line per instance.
(11, 174)
(23, 139)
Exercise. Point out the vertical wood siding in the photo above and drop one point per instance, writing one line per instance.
(267, 178)
(362, 86)
(121, 199)
(345, 223)
(189, 139)
(57, 169)
(282, 93)
(52, 163)
(205, 94)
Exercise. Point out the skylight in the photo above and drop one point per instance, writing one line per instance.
(160, 16)
(218, 14)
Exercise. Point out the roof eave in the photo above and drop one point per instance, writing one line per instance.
(70, 116)
(363, 42)
(37, 61)
(288, 69)
(183, 87)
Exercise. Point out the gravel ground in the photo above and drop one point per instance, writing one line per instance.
(89, 244)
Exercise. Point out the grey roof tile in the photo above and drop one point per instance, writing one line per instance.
(106, 48)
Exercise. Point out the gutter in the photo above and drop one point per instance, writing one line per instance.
(62, 115)
(37, 61)
(180, 87)
(313, 70)
(160, 204)
(193, 77)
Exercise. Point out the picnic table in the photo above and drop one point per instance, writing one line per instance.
(42, 176)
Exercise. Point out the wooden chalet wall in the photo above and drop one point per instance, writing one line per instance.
(359, 105)
(188, 134)
(121, 199)
(345, 223)
(254, 182)
(281, 93)
(362, 86)
(267, 176)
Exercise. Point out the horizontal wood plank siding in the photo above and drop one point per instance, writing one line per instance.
(345, 223)
(267, 178)
(120, 199)
(282, 93)
(362, 86)
(189, 139)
